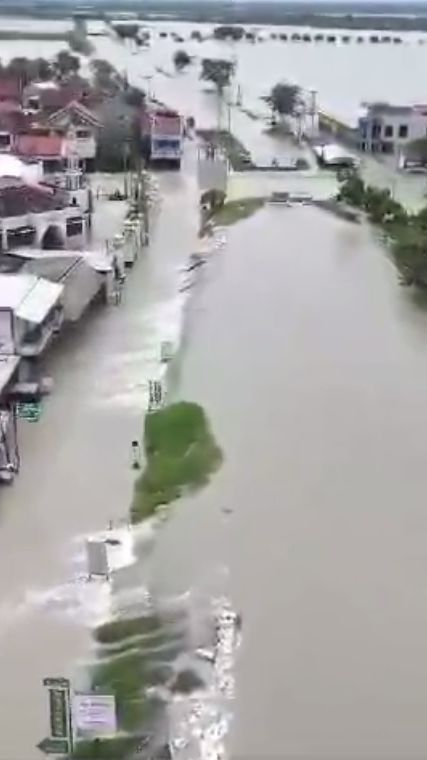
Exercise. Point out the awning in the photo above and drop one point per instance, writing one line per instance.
(38, 301)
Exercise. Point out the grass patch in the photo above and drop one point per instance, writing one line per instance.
(238, 155)
(235, 211)
(115, 631)
(106, 749)
(181, 454)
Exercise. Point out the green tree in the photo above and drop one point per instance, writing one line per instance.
(218, 71)
(410, 252)
(416, 150)
(20, 67)
(66, 63)
(352, 191)
(181, 59)
(284, 98)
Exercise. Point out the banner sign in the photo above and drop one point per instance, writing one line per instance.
(58, 713)
(94, 714)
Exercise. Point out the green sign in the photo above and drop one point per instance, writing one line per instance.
(29, 410)
(54, 746)
(58, 713)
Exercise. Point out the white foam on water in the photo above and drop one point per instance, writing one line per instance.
(204, 724)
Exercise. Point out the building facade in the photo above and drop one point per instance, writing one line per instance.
(386, 128)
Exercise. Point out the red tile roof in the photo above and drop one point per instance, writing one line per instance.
(15, 121)
(39, 146)
(10, 89)
(20, 199)
(77, 110)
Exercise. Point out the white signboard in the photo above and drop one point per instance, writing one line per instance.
(97, 558)
(94, 714)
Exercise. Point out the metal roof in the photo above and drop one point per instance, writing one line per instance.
(30, 297)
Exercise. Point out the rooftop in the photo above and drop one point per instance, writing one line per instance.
(30, 297)
(19, 198)
(39, 146)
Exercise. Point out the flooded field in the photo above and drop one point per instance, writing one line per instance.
(311, 363)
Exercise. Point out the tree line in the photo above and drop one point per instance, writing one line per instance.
(406, 232)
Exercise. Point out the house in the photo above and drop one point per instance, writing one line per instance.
(385, 128)
(48, 148)
(80, 127)
(13, 121)
(85, 275)
(30, 314)
(36, 215)
(48, 97)
(10, 90)
(9, 452)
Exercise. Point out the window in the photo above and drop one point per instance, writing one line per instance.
(74, 226)
(83, 133)
(388, 130)
(4, 140)
(403, 130)
(376, 129)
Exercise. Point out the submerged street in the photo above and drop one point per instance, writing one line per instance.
(310, 361)
(76, 472)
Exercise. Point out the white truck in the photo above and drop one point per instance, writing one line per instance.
(162, 136)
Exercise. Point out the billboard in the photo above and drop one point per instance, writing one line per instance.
(94, 715)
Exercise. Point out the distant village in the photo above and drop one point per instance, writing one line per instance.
(57, 128)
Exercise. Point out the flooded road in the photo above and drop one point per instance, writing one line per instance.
(76, 474)
(311, 362)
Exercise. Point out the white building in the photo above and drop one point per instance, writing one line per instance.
(385, 128)
(30, 314)
(37, 214)
(84, 275)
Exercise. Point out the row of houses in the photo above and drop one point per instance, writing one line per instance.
(48, 272)
(49, 121)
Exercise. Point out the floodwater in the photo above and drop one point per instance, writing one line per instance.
(76, 472)
(311, 363)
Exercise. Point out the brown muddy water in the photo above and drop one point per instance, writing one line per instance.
(311, 362)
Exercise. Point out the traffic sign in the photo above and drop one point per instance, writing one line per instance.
(29, 410)
(52, 746)
(59, 728)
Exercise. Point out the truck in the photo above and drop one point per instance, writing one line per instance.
(162, 136)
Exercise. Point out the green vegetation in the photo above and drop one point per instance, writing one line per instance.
(284, 99)
(125, 666)
(406, 233)
(181, 59)
(181, 454)
(235, 211)
(117, 630)
(239, 156)
(218, 71)
(229, 32)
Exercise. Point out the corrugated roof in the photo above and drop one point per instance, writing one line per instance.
(30, 297)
